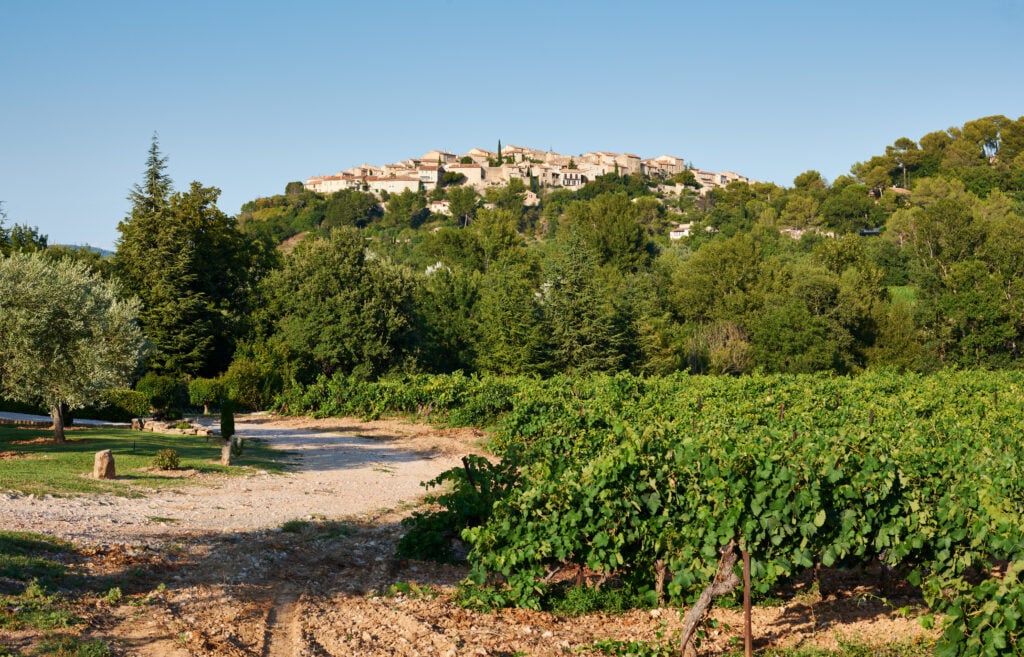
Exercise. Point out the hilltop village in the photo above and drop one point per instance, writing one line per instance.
(480, 169)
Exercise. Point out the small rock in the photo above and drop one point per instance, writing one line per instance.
(103, 465)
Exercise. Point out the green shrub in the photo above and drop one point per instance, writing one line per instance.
(203, 392)
(253, 383)
(475, 488)
(9, 406)
(166, 459)
(164, 392)
(117, 405)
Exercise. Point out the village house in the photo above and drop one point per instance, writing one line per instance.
(474, 173)
(664, 166)
(480, 156)
(439, 157)
(572, 178)
(393, 184)
(429, 175)
(628, 164)
(440, 207)
(397, 169)
(332, 184)
(680, 231)
(550, 169)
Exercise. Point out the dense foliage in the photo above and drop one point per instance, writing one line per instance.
(65, 335)
(909, 262)
(191, 268)
(618, 473)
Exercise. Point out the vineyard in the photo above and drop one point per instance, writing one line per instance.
(644, 481)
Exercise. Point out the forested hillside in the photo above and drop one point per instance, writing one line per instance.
(909, 262)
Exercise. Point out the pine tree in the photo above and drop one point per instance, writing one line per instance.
(189, 264)
(152, 194)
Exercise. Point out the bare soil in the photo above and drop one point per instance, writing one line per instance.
(209, 571)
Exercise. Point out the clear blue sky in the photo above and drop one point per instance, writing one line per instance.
(247, 96)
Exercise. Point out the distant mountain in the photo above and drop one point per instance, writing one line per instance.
(84, 247)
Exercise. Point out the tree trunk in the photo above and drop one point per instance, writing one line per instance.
(58, 422)
(724, 582)
(225, 452)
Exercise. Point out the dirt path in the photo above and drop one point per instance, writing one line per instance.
(224, 580)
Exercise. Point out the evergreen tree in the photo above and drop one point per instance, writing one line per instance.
(190, 266)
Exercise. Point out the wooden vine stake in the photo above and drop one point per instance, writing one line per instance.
(748, 636)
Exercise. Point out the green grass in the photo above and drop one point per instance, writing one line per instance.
(46, 468)
(72, 646)
(850, 649)
(318, 528)
(28, 557)
(31, 570)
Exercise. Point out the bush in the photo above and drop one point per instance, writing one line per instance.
(164, 392)
(117, 405)
(252, 383)
(9, 406)
(166, 459)
(475, 488)
(203, 392)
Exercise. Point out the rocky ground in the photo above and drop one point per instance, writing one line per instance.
(208, 570)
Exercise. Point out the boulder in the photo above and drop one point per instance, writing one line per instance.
(103, 465)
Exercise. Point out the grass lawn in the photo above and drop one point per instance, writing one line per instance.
(30, 462)
(39, 598)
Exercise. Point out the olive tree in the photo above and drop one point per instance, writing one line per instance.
(65, 335)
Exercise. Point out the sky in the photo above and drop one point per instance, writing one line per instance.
(247, 96)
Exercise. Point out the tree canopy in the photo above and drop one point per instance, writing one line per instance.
(65, 334)
(191, 267)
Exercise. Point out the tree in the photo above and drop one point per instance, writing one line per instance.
(508, 197)
(686, 178)
(351, 208)
(801, 211)
(19, 238)
(588, 328)
(408, 209)
(451, 179)
(446, 331)
(191, 267)
(336, 310)
(512, 337)
(462, 202)
(610, 226)
(495, 232)
(65, 336)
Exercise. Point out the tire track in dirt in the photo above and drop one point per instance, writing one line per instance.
(281, 636)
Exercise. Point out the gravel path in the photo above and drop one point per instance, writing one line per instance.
(338, 473)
